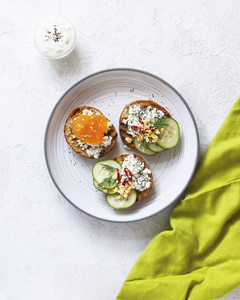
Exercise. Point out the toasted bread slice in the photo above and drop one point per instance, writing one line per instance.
(123, 128)
(140, 195)
(72, 140)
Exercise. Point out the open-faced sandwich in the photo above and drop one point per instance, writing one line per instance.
(124, 180)
(89, 133)
(148, 127)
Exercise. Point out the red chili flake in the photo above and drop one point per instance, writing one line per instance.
(140, 120)
(143, 131)
(128, 173)
(136, 128)
(118, 176)
(125, 181)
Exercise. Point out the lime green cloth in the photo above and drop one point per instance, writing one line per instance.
(198, 256)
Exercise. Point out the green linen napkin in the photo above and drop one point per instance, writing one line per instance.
(198, 256)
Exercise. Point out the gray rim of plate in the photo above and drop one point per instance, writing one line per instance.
(130, 70)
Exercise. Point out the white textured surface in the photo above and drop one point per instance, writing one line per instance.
(50, 250)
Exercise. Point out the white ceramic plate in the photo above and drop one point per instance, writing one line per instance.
(110, 91)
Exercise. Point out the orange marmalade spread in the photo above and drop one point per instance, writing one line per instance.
(90, 129)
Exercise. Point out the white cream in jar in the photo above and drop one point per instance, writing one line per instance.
(55, 37)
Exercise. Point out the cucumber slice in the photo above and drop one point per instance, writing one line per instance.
(144, 150)
(116, 203)
(104, 173)
(169, 138)
(102, 189)
(155, 148)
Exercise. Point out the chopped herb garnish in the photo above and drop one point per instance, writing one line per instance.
(160, 123)
(108, 182)
(144, 144)
(108, 168)
(139, 113)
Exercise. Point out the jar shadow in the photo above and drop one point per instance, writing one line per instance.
(68, 65)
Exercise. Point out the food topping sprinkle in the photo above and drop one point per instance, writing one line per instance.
(141, 122)
(118, 176)
(128, 173)
(135, 174)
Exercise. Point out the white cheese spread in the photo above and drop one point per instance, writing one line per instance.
(95, 150)
(89, 112)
